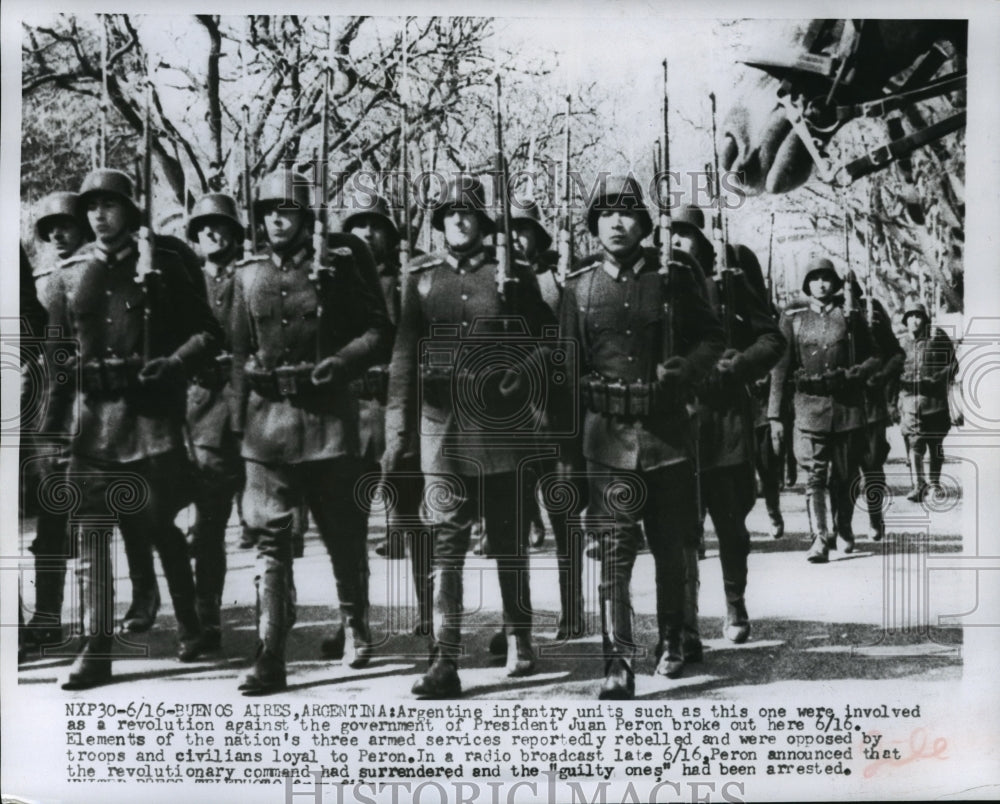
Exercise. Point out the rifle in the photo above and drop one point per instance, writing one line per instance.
(322, 272)
(404, 125)
(506, 281)
(869, 268)
(566, 230)
(849, 281)
(666, 236)
(102, 152)
(144, 269)
(770, 278)
(725, 272)
(250, 241)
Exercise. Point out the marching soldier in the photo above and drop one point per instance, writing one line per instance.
(876, 414)
(830, 354)
(371, 222)
(57, 226)
(533, 244)
(451, 304)
(928, 368)
(301, 332)
(138, 337)
(214, 226)
(644, 341)
(726, 419)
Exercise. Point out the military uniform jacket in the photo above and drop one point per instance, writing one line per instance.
(96, 300)
(372, 411)
(726, 421)
(876, 395)
(817, 343)
(616, 318)
(928, 367)
(450, 306)
(208, 410)
(276, 322)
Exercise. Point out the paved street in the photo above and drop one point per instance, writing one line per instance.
(863, 615)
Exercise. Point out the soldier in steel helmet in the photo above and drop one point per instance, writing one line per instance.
(215, 228)
(644, 341)
(138, 338)
(726, 419)
(534, 244)
(929, 366)
(830, 355)
(370, 221)
(872, 480)
(61, 233)
(302, 331)
(451, 382)
(58, 226)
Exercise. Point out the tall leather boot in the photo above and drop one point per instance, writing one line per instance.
(92, 666)
(691, 634)
(45, 625)
(352, 573)
(919, 483)
(441, 679)
(616, 630)
(515, 594)
(737, 627)
(420, 567)
(141, 614)
(273, 598)
(819, 552)
(172, 548)
(569, 552)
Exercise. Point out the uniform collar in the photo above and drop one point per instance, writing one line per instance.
(294, 259)
(817, 306)
(468, 262)
(112, 258)
(614, 269)
(216, 271)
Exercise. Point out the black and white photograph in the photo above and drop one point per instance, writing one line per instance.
(535, 402)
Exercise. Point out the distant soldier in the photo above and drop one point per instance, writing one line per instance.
(726, 419)
(444, 385)
(214, 226)
(301, 332)
(830, 355)
(877, 420)
(57, 227)
(533, 244)
(644, 342)
(928, 369)
(371, 222)
(138, 338)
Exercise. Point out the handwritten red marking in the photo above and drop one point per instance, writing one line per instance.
(918, 750)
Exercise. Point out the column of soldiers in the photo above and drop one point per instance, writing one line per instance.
(274, 372)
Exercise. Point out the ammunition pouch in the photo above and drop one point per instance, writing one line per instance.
(373, 384)
(111, 377)
(285, 382)
(620, 399)
(216, 375)
(834, 383)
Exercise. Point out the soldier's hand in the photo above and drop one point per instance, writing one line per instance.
(162, 370)
(854, 373)
(732, 362)
(675, 372)
(329, 370)
(777, 435)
